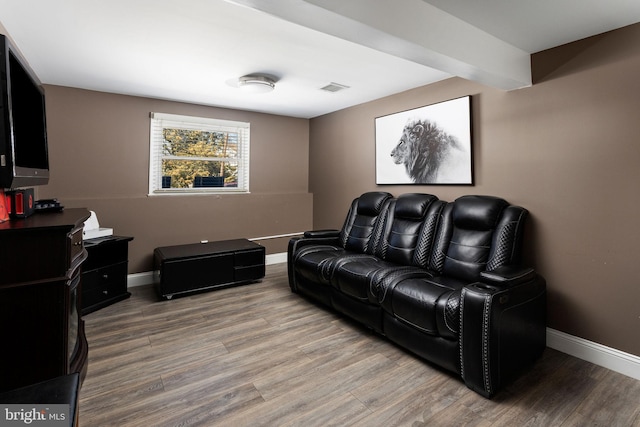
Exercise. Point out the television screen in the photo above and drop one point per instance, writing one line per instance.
(24, 157)
(27, 110)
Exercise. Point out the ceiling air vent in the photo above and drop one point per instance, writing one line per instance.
(334, 87)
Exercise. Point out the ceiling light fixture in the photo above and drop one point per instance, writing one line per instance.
(256, 83)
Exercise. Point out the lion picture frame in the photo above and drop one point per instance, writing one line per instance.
(426, 145)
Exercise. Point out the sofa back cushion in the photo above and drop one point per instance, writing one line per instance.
(403, 227)
(506, 248)
(357, 233)
(477, 233)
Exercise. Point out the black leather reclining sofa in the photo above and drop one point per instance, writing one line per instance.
(441, 279)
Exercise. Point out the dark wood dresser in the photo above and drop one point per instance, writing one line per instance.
(41, 328)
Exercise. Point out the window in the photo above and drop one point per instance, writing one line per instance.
(198, 155)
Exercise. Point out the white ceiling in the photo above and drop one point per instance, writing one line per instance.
(190, 50)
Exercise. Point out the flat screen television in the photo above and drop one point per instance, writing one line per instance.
(24, 156)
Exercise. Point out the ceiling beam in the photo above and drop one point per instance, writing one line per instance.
(413, 30)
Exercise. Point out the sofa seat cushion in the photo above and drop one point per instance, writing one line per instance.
(365, 278)
(354, 276)
(312, 262)
(430, 304)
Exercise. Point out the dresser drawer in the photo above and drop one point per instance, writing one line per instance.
(75, 244)
(112, 276)
(251, 257)
(104, 286)
(248, 273)
(95, 297)
(106, 252)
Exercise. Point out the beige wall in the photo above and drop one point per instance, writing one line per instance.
(567, 149)
(99, 158)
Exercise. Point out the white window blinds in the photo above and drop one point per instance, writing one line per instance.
(198, 155)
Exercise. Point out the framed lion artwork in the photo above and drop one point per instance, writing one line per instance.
(426, 145)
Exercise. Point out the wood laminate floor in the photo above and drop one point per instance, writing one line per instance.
(258, 355)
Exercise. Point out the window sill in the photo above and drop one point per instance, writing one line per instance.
(199, 192)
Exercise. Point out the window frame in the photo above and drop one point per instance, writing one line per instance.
(160, 121)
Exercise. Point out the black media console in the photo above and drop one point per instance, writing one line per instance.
(208, 265)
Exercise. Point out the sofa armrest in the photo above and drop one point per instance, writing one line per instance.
(508, 275)
(310, 238)
(321, 233)
(502, 329)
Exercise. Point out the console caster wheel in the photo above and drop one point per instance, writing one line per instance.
(169, 297)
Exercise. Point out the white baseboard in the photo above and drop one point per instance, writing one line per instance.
(598, 354)
(279, 258)
(140, 279)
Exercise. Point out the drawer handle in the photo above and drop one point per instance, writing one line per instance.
(105, 292)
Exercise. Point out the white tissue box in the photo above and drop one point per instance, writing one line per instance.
(92, 228)
(96, 232)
